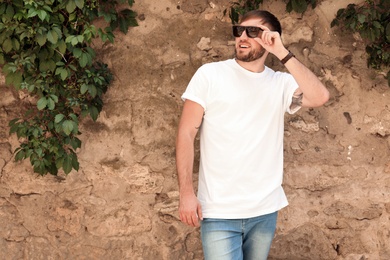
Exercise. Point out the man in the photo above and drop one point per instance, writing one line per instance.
(239, 107)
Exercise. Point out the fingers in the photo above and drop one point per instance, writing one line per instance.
(190, 219)
(268, 37)
(190, 210)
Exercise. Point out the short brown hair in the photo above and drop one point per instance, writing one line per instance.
(267, 18)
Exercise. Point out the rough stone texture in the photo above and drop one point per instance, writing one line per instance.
(305, 242)
(122, 204)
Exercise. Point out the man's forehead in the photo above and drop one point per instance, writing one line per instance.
(252, 22)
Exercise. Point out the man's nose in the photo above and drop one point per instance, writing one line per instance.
(244, 35)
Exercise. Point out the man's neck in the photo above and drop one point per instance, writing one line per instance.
(256, 66)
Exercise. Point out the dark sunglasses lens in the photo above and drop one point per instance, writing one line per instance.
(238, 30)
(253, 32)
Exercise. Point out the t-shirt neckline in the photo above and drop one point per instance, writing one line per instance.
(247, 72)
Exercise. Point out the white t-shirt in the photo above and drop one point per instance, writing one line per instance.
(241, 138)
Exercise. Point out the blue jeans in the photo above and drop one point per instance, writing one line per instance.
(238, 239)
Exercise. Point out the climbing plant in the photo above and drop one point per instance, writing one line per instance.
(300, 6)
(46, 51)
(239, 8)
(243, 6)
(371, 20)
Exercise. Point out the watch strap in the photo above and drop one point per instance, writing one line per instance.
(288, 56)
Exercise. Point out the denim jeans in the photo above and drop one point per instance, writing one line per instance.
(238, 239)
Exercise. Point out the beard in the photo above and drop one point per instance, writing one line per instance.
(253, 55)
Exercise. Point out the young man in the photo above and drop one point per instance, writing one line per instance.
(238, 105)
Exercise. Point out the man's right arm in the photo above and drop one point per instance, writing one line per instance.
(191, 119)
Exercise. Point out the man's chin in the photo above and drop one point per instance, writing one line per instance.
(248, 57)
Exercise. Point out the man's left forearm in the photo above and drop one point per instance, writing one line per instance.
(314, 92)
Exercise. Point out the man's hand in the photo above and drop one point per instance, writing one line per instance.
(190, 210)
(272, 42)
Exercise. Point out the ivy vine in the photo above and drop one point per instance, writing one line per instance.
(371, 20)
(300, 6)
(46, 51)
(243, 6)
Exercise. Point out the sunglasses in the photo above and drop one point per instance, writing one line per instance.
(251, 31)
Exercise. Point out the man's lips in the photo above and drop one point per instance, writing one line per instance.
(244, 45)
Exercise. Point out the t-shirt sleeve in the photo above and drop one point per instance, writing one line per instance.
(197, 89)
(290, 86)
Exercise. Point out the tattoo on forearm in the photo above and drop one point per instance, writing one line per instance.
(297, 99)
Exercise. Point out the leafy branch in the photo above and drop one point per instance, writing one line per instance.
(372, 21)
(300, 6)
(243, 6)
(46, 51)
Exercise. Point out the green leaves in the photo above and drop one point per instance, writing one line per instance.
(13, 75)
(300, 6)
(10, 44)
(47, 65)
(239, 8)
(41, 11)
(126, 19)
(74, 39)
(69, 162)
(73, 4)
(371, 21)
(84, 56)
(47, 102)
(68, 126)
(7, 11)
(80, 3)
(85, 59)
(41, 39)
(46, 50)
(62, 72)
(7, 45)
(54, 34)
(58, 118)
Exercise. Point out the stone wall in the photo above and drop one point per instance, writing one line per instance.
(122, 203)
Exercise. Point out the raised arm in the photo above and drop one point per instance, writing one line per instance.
(189, 207)
(314, 93)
